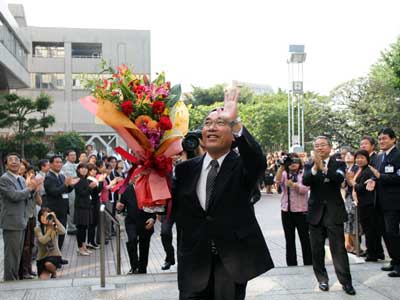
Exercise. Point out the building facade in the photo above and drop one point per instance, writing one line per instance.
(60, 58)
(14, 50)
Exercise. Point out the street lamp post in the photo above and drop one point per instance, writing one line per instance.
(297, 57)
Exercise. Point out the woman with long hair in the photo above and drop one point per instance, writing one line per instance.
(95, 205)
(49, 255)
(294, 207)
(83, 216)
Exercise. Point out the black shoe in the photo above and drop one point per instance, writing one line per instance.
(348, 288)
(33, 273)
(132, 271)
(394, 274)
(323, 286)
(363, 254)
(387, 268)
(167, 265)
(381, 256)
(370, 258)
(73, 232)
(64, 261)
(28, 276)
(140, 271)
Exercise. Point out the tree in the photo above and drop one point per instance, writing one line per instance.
(68, 141)
(25, 116)
(201, 96)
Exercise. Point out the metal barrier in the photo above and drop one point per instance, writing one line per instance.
(104, 212)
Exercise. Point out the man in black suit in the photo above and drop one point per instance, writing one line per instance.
(326, 214)
(139, 229)
(220, 244)
(387, 175)
(57, 187)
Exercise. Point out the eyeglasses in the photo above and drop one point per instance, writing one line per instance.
(217, 122)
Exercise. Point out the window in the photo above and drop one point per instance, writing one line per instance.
(86, 50)
(11, 42)
(48, 49)
(79, 79)
(49, 81)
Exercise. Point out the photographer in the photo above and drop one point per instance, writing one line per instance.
(294, 207)
(49, 254)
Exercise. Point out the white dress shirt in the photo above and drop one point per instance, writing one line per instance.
(202, 183)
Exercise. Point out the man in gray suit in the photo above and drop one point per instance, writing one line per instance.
(14, 194)
(69, 170)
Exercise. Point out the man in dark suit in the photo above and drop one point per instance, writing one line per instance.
(15, 195)
(220, 244)
(326, 214)
(57, 187)
(139, 226)
(387, 175)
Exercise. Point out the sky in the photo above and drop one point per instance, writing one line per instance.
(207, 42)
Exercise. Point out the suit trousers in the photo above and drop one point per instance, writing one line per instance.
(25, 267)
(220, 286)
(335, 234)
(292, 221)
(166, 238)
(369, 220)
(71, 202)
(392, 233)
(142, 237)
(13, 247)
(61, 237)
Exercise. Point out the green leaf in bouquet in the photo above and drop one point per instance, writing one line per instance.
(175, 95)
(160, 79)
(128, 94)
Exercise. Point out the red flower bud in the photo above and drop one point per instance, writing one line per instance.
(127, 107)
(158, 107)
(165, 123)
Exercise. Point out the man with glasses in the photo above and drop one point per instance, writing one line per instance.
(220, 244)
(326, 214)
(15, 195)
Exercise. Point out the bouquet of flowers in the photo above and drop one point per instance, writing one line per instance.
(151, 120)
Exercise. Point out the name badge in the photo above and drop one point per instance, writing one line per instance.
(65, 196)
(389, 169)
(326, 180)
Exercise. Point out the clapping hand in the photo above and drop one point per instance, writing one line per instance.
(93, 185)
(230, 111)
(149, 224)
(375, 171)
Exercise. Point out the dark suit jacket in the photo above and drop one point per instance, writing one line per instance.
(325, 196)
(55, 188)
(365, 198)
(388, 185)
(134, 214)
(230, 221)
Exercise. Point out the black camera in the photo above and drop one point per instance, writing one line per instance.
(191, 140)
(292, 177)
(285, 161)
(50, 218)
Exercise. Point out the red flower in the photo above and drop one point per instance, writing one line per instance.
(165, 123)
(158, 107)
(127, 107)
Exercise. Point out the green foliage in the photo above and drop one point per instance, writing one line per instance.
(201, 96)
(67, 141)
(25, 117)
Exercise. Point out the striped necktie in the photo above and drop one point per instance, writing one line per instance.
(212, 175)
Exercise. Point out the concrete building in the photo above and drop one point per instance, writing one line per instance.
(14, 51)
(59, 58)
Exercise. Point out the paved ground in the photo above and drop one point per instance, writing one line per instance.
(77, 279)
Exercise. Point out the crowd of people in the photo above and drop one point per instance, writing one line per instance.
(334, 195)
(62, 196)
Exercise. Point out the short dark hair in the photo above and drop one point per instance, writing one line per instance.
(388, 131)
(11, 154)
(110, 158)
(42, 163)
(99, 163)
(324, 137)
(370, 139)
(69, 151)
(54, 157)
(363, 153)
(89, 145)
(80, 166)
(91, 167)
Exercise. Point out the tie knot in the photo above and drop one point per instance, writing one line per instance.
(214, 164)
